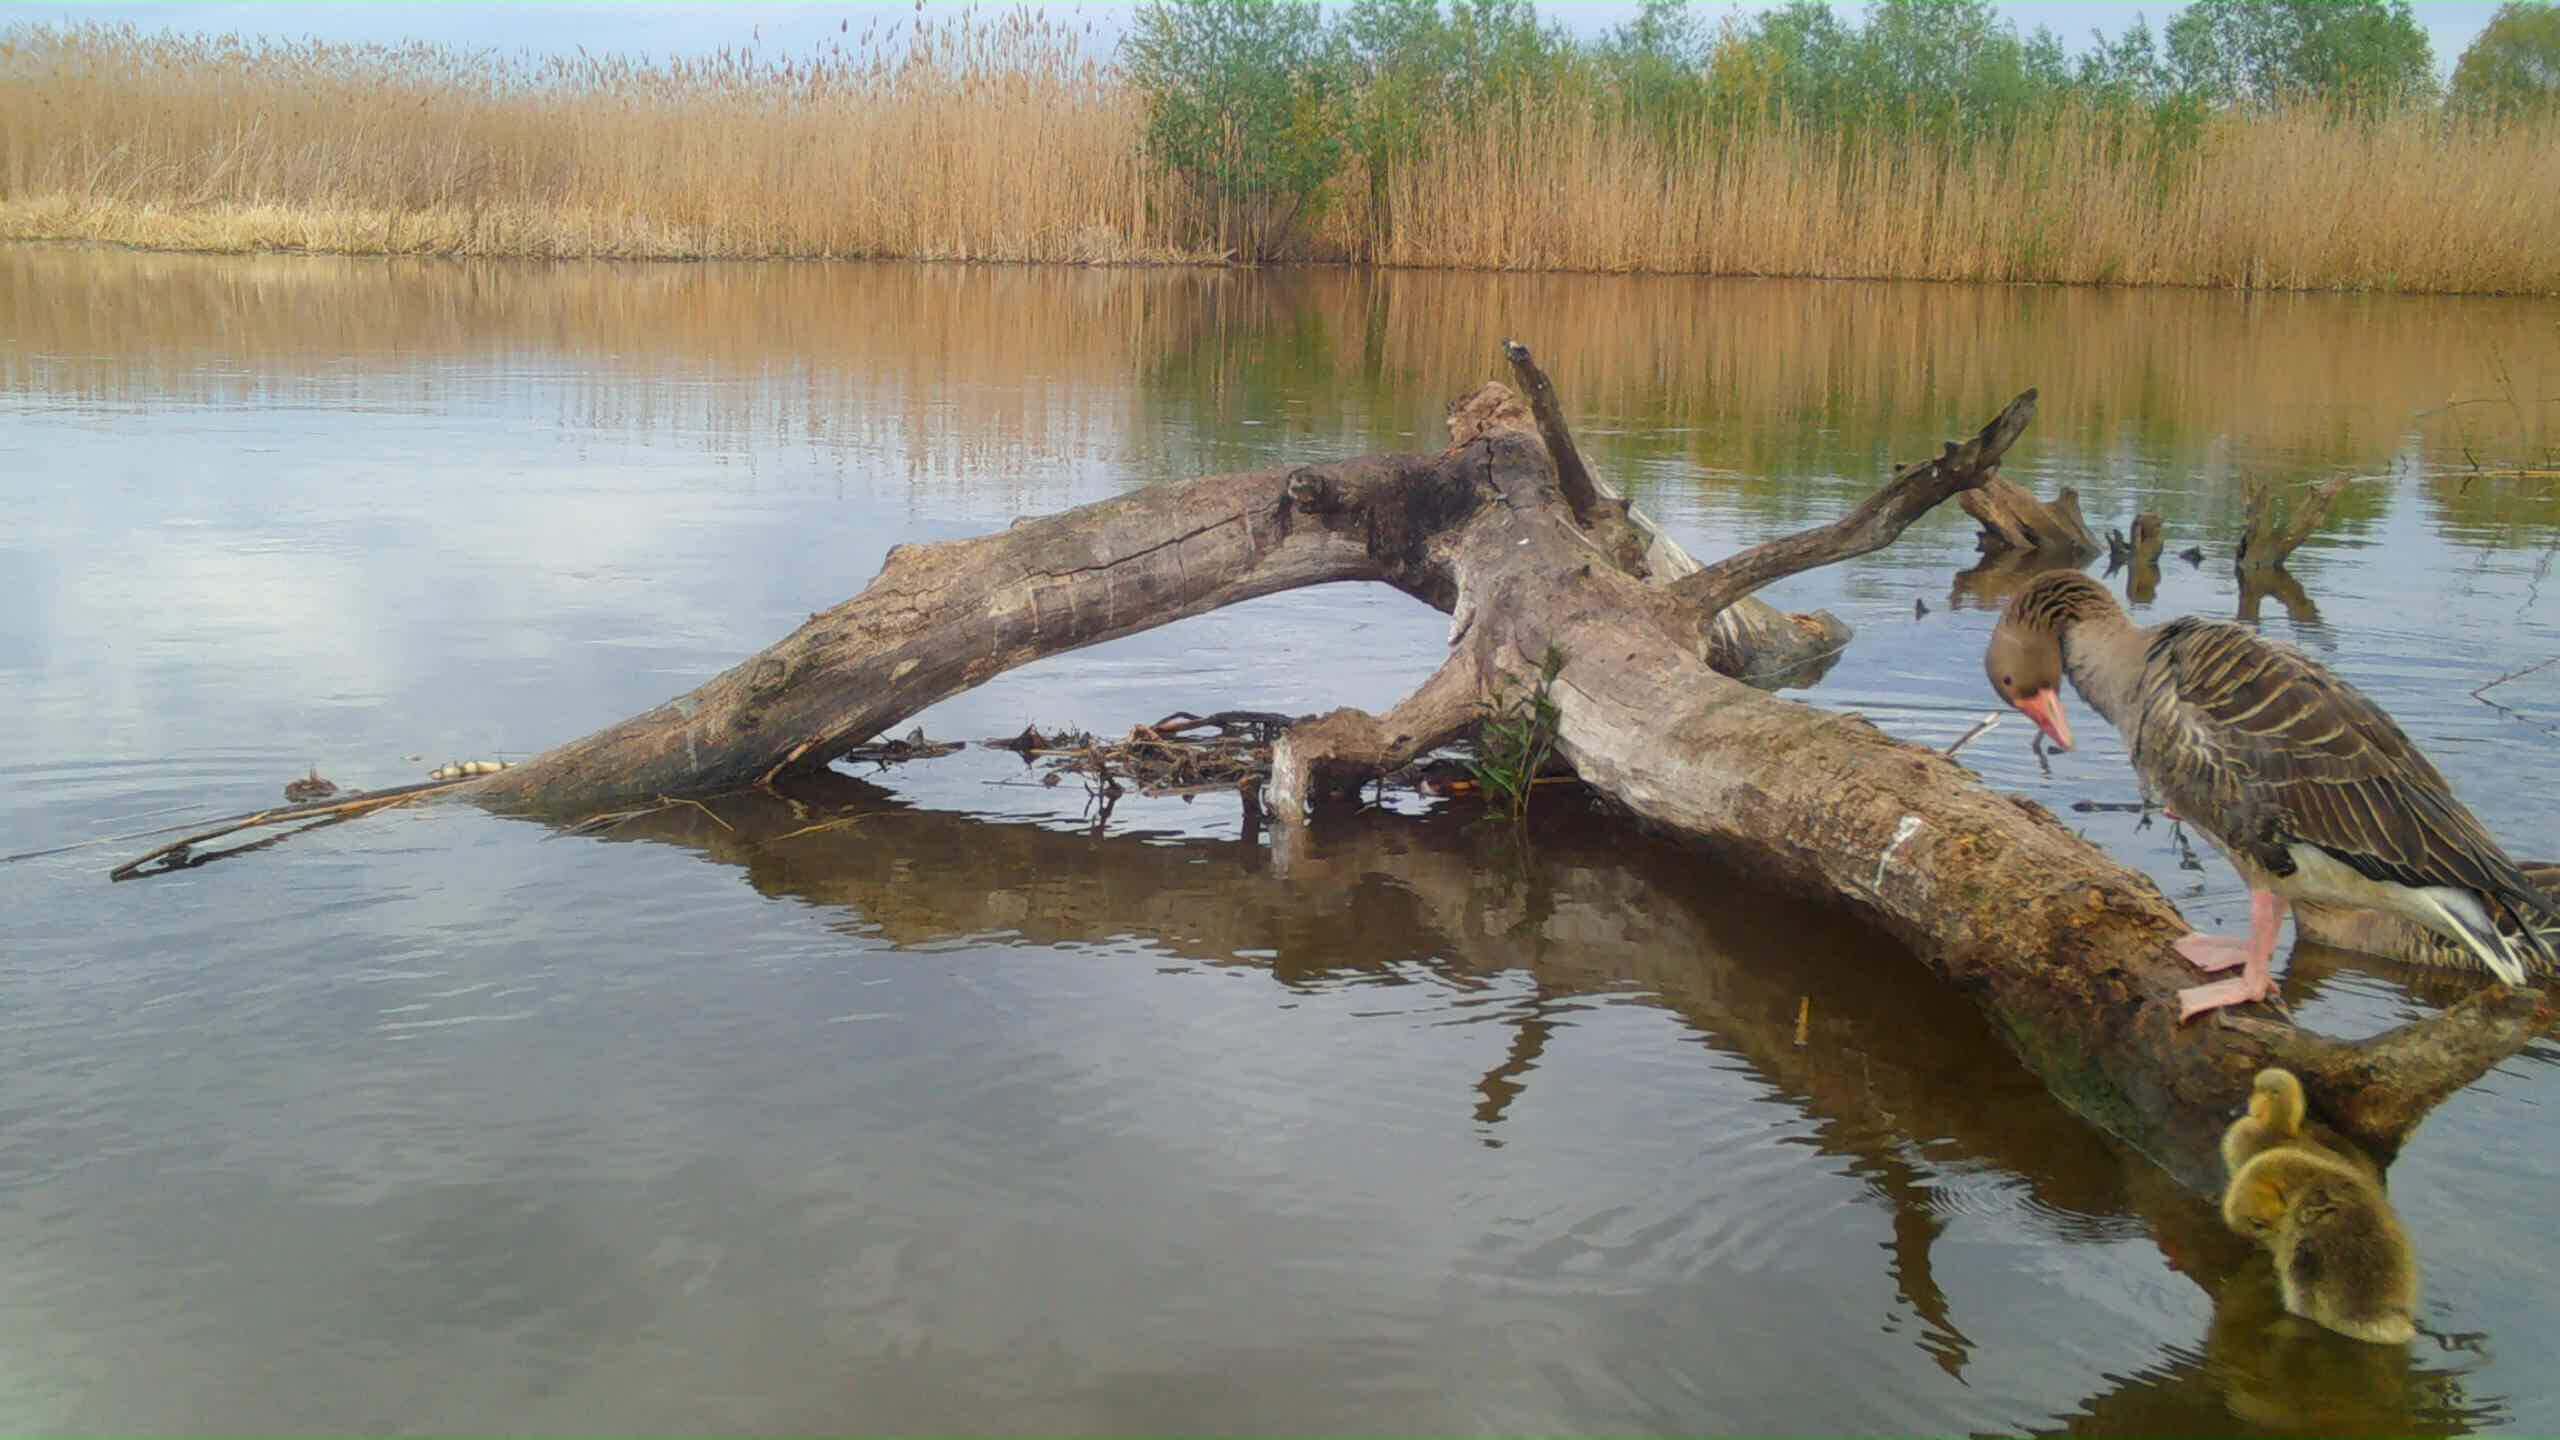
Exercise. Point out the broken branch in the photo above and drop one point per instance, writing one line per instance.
(1874, 524)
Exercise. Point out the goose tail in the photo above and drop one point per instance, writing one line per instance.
(2537, 917)
(2470, 920)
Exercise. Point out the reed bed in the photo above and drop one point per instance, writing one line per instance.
(1012, 139)
(973, 139)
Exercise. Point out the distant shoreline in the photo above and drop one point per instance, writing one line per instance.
(141, 231)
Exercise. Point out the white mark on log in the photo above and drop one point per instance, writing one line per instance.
(905, 668)
(1902, 834)
(692, 752)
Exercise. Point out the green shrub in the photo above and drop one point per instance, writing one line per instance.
(1243, 101)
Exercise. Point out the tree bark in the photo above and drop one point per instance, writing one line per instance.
(2066, 950)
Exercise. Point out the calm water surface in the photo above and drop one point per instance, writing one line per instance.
(966, 1117)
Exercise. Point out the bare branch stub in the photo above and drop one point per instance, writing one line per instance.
(1912, 493)
(1601, 514)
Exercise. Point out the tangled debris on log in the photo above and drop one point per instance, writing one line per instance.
(1181, 754)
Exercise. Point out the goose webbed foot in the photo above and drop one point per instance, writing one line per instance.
(2254, 983)
(2248, 988)
(2211, 953)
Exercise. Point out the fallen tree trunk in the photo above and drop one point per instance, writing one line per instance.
(2067, 951)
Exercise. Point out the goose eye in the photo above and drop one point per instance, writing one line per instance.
(2006, 682)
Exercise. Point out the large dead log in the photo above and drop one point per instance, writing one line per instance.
(2066, 950)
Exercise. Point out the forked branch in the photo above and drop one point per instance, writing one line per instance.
(1914, 492)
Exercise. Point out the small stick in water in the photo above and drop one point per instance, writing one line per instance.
(1981, 726)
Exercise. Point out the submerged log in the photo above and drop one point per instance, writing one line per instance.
(2143, 585)
(2012, 519)
(2068, 951)
(2271, 533)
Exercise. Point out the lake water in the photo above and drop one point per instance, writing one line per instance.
(967, 1117)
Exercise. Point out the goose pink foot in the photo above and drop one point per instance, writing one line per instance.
(2213, 952)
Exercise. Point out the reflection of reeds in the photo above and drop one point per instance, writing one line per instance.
(1009, 139)
(978, 375)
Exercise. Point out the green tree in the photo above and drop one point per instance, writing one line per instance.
(2513, 70)
(1656, 63)
(1243, 102)
(1414, 71)
(2124, 71)
(2362, 52)
(1816, 60)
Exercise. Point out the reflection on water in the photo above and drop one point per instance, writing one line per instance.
(961, 1115)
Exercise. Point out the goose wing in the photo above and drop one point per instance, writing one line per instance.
(2281, 751)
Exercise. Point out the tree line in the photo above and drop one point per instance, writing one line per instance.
(1262, 106)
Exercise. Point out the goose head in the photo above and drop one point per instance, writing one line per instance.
(2025, 663)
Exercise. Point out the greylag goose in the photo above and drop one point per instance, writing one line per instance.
(2309, 789)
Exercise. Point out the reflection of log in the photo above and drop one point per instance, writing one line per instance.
(2013, 519)
(1891, 1052)
(2068, 950)
(1893, 1058)
(1989, 584)
(2142, 552)
(2278, 584)
(2268, 536)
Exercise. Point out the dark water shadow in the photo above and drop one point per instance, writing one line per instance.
(1899, 1075)
(1988, 585)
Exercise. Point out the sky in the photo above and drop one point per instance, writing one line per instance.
(659, 29)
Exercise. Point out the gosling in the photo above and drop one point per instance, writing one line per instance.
(2280, 1115)
(2342, 1260)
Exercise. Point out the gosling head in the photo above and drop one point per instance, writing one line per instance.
(2275, 1100)
(2024, 661)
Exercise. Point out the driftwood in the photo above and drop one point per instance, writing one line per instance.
(179, 854)
(2271, 533)
(2066, 950)
(2142, 553)
(2012, 519)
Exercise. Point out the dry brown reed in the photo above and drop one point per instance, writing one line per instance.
(1009, 139)
(968, 140)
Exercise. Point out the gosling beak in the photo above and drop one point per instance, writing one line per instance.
(2045, 708)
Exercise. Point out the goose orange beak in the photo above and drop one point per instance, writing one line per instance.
(2045, 708)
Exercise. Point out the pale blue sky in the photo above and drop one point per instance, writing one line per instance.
(655, 28)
